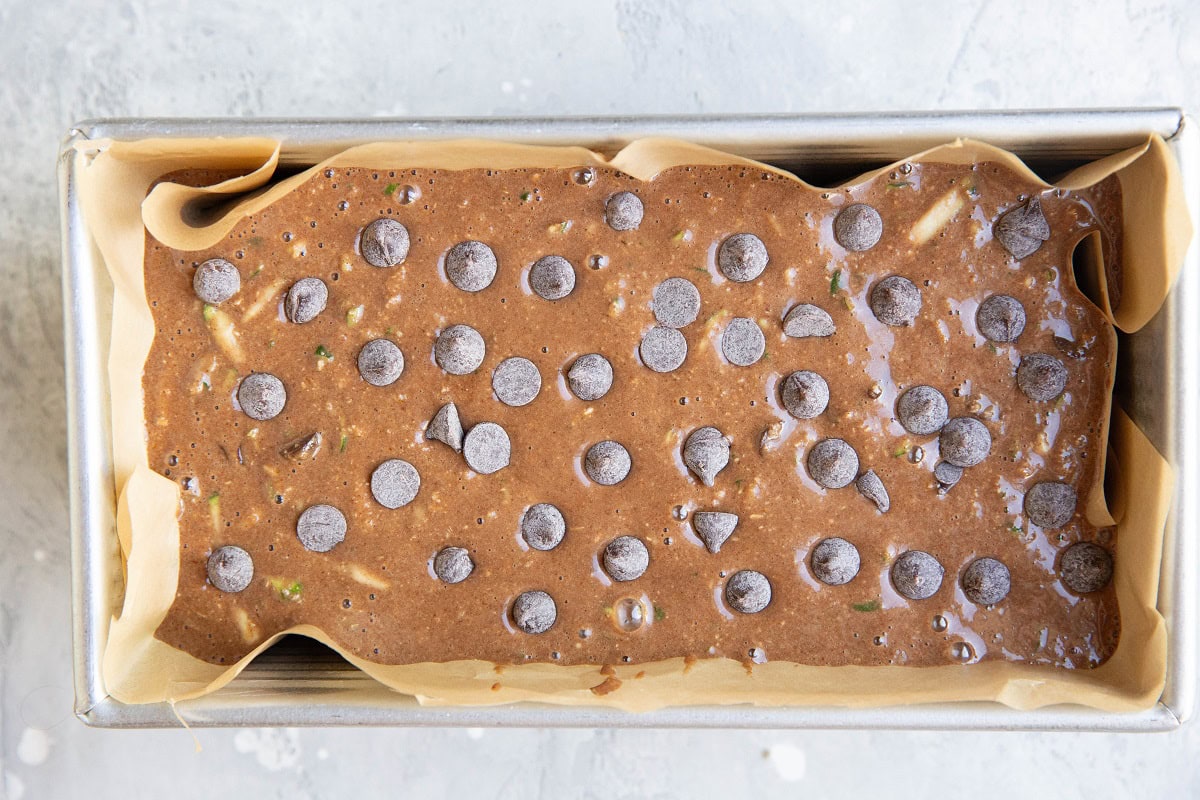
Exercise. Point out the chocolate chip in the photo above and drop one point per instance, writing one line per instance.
(543, 526)
(896, 301)
(607, 463)
(1041, 377)
(590, 377)
(305, 300)
(706, 453)
(1023, 229)
(446, 427)
(858, 227)
(742, 257)
(230, 569)
(805, 394)
(871, 487)
(1000, 318)
(922, 410)
(986, 582)
(748, 592)
(947, 474)
(965, 441)
(1071, 348)
(917, 575)
(1050, 504)
(321, 528)
(714, 527)
(806, 320)
(663, 349)
(742, 342)
(384, 243)
(459, 349)
(486, 448)
(552, 277)
(380, 362)
(623, 211)
(516, 381)
(1085, 568)
(626, 558)
(216, 280)
(395, 483)
(261, 396)
(471, 266)
(534, 612)
(453, 564)
(835, 561)
(832, 463)
(676, 302)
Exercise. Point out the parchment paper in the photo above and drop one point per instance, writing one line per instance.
(114, 180)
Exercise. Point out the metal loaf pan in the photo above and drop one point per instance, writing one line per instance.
(1158, 382)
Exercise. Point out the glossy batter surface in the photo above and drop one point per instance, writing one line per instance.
(246, 482)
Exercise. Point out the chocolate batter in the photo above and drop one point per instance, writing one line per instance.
(377, 593)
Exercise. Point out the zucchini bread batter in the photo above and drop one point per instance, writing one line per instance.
(566, 416)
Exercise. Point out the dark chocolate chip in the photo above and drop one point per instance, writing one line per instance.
(216, 280)
(714, 528)
(742, 342)
(486, 448)
(835, 561)
(917, 575)
(1050, 504)
(922, 410)
(590, 377)
(1000, 318)
(534, 612)
(552, 277)
(230, 569)
(858, 227)
(626, 558)
(1023, 229)
(543, 526)
(676, 302)
(965, 441)
(805, 394)
(832, 463)
(742, 257)
(607, 463)
(1085, 567)
(384, 243)
(305, 300)
(453, 564)
(516, 381)
(896, 300)
(871, 487)
(380, 362)
(947, 474)
(623, 211)
(986, 582)
(321, 528)
(459, 350)
(805, 320)
(1041, 377)
(261, 396)
(471, 266)
(663, 349)
(748, 592)
(706, 453)
(395, 483)
(446, 427)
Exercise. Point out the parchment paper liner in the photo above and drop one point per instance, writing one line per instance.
(138, 668)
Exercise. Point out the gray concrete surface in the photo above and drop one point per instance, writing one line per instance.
(61, 61)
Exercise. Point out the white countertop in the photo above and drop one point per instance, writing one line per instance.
(74, 59)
